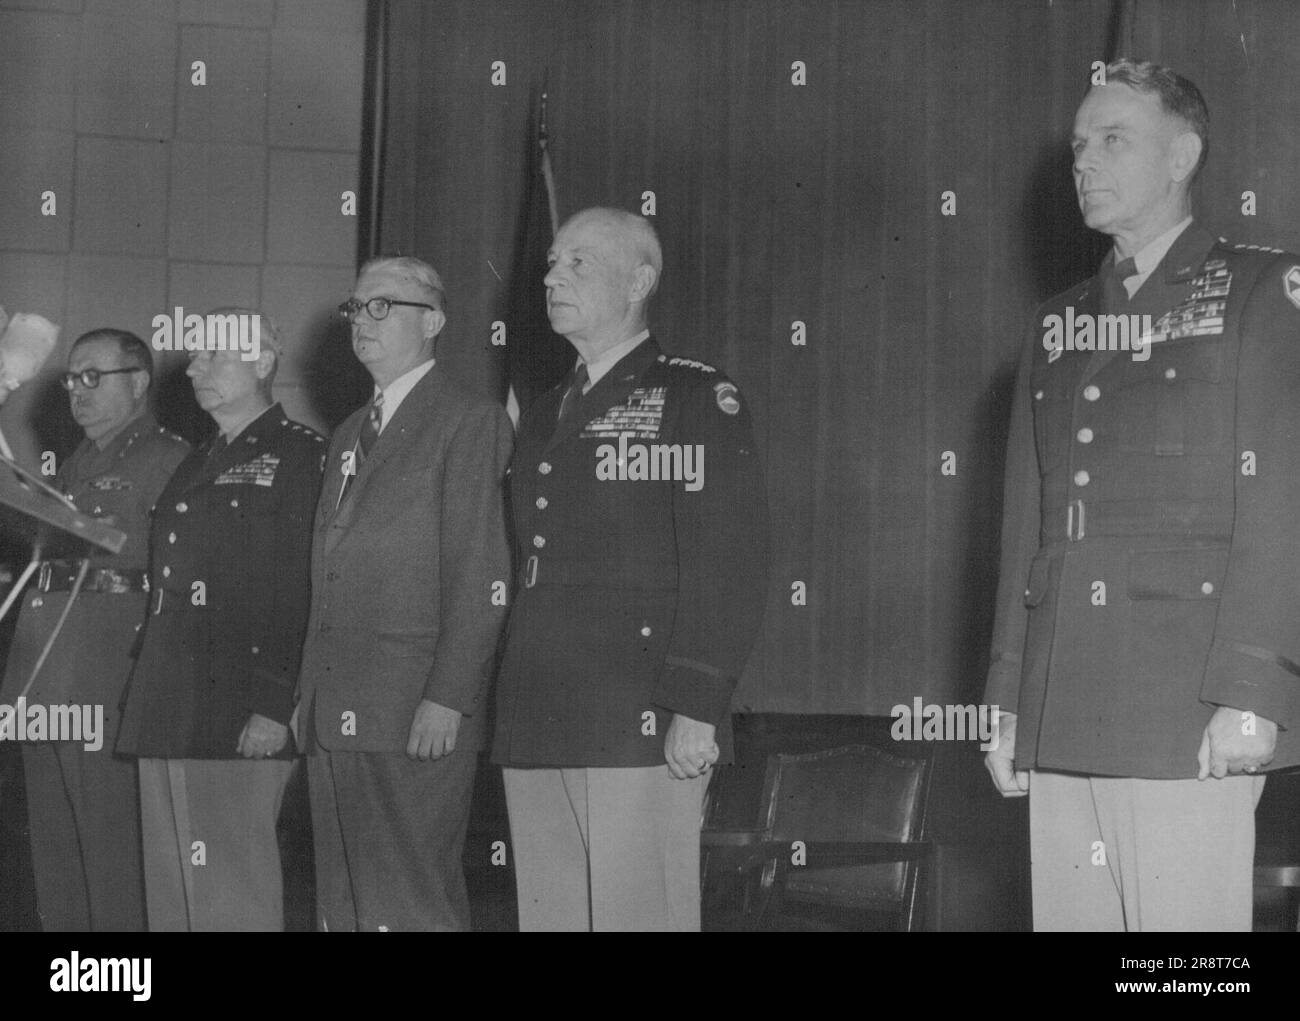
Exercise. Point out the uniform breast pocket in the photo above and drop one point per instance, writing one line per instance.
(1188, 574)
(1176, 403)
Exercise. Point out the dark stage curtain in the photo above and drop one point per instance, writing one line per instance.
(822, 204)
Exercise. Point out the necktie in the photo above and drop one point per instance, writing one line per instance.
(370, 427)
(1113, 289)
(365, 440)
(218, 445)
(569, 406)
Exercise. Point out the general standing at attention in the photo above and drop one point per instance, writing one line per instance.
(641, 538)
(410, 578)
(84, 807)
(1148, 612)
(209, 702)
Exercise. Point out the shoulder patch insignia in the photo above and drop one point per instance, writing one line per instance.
(728, 398)
(1291, 285)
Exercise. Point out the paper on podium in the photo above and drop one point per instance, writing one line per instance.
(26, 341)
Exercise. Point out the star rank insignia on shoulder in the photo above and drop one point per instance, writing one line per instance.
(1252, 248)
(688, 363)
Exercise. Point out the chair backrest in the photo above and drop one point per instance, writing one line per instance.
(852, 793)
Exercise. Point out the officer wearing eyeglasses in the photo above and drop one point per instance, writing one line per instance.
(409, 572)
(84, 804)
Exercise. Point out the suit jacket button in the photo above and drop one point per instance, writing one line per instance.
(541, 503)
(167, 572)
(544, 468)
(1038, 395)
(1170, 372)
(182, 507)
(1082, 478)
(1085, 435)
(538, 541)
(1091, 392)
(1207, 587)
(172, 538)
(38, 602)
(645, 631)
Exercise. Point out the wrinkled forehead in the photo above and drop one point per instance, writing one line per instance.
(103, 353)
(1120, 105)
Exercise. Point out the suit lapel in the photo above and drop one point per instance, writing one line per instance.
(611, 390)
(419, 405)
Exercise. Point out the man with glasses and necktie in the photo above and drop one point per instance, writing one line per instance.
(83, 804)
(209, 701)
(1145, 651)
(410, 575)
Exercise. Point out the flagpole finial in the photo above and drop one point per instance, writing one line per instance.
(541, 124)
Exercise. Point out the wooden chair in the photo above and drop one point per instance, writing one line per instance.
(840, 843)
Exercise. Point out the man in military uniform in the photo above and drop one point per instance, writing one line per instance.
(83, 803)
(1146, 631)
(209, 702)
(641, 531)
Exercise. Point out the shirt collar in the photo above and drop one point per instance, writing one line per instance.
(1151, 255)
(599, 366)
(125, 433)
(396, 391)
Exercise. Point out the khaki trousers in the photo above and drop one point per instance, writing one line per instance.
(85, 825)
(608, 849)
(232, 882)
(1116, 854)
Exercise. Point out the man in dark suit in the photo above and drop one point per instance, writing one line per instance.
(410, 577)
(641, 532)
(1146, 631)
(83, 803)
(209, 701)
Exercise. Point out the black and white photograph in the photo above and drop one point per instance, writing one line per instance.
(724, 466)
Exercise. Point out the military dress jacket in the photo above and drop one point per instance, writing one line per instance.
(230, 583)
(1150, 562)
(637, 598)
(89, 662)
(410, 573)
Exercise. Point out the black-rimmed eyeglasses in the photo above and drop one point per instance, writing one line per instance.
(377, 307)
(89, 378)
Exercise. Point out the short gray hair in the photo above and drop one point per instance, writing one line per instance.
(424, 275)
(1179, 97)
(640, 232)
